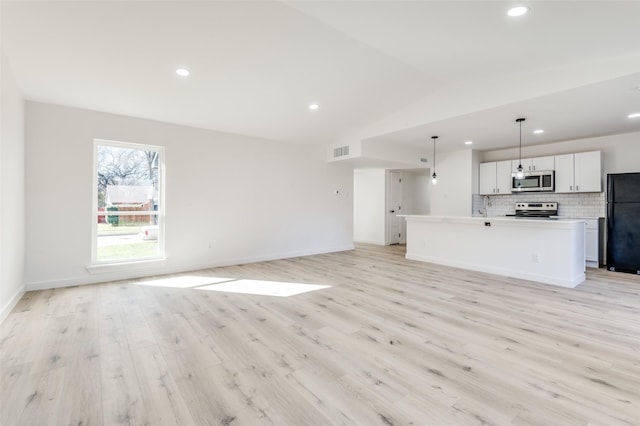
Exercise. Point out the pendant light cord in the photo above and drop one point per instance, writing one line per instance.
(520, 120)
(520, 143)
(434, 176)
(434, 153)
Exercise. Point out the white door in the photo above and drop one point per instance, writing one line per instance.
(394, 192)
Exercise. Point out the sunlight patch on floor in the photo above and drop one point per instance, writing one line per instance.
(184, 281)
(264, 288)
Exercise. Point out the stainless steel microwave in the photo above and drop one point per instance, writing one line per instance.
(539, 181)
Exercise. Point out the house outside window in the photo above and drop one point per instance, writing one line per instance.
(128, 205)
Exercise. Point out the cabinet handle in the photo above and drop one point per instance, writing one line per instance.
(577, 187)
(570, 187)
(498, 190)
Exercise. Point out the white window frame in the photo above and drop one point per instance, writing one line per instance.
(97, 265)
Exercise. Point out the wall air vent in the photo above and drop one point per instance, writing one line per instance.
(341, 151)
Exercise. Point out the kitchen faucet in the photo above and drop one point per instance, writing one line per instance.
(486, 203)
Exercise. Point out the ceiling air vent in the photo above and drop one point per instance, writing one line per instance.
(341, 151)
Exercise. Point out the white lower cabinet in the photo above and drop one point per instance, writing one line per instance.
(592, 243)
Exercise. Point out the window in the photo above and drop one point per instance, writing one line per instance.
(127, 203)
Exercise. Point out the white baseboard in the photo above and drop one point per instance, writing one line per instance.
(376, 242)
(6, 309)
(137, 272)
(285, 255)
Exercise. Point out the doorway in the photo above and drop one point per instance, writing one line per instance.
(393, 205)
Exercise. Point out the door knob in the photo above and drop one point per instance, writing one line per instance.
(392, 211)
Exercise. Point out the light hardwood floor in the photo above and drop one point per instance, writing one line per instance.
(392, 342)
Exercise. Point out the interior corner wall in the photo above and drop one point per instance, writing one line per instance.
(229, 199)
(12, 191)
(475, 172)
(369, 186)
(452, 195)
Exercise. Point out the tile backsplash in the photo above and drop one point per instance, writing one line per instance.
(588, 204)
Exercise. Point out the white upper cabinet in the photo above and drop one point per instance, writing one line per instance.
(534, 164)
(503, 177)
(588, 171)
(564, 173)
(543, 163)
(487, 178)
(495, 178)
(580, 172)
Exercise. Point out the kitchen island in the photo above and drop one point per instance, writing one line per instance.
(546, 251)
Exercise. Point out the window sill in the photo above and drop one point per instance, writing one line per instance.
(126, 266)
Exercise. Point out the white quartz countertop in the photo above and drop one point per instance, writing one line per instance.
(503, 220)
(576, 217)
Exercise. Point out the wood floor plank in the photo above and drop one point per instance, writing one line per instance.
(390, 342)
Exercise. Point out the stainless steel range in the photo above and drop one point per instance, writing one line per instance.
(536, 210)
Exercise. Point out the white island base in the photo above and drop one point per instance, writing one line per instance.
(546, 251)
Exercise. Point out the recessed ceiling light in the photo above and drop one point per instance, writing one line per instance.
(537, 132)
(314, 106)
(182, 72)
(634, 115)
(468, 142)
(518, 11)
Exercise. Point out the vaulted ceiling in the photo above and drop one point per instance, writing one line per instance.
(388, 71)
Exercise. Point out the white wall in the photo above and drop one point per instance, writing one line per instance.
(12, 199)
(369, 206)
(416, 196)
(405, 157)
(416, 192)
(452, 195)
(229, 199)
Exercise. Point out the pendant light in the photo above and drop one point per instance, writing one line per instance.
(520, 169)
(434, 177)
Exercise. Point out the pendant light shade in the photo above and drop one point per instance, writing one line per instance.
(520, 169)
(434, 177)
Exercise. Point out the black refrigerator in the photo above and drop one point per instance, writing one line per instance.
(623, 222)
